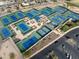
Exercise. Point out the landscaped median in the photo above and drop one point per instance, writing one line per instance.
(69, 25)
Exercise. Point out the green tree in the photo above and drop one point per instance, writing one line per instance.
(12, 56)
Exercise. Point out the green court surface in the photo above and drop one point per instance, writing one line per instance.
(27, 43)
(5, 20)
(47, 11)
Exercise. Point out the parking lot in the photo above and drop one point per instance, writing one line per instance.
(63, 47)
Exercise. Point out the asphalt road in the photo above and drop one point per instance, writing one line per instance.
(59, 50)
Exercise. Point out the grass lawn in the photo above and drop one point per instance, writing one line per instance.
(69, 25)
(27, 54)
(0, 38)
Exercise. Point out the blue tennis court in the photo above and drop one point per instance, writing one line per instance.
(56, 18)
(29, 15)
(74, 16)
(13, 18)
(50, 26)
(28, 43)
(61, 17)
(56, 21)
(60, 9)
(20, 14)
(47, 11)
(55, 24)
(5, 21)
(70, 14)
(23, 27)
(32, 13)
(5, 32)
(67, 14)
(37, 18)
(41, 32)
(45, 29)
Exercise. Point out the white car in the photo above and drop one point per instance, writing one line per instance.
(25, 4)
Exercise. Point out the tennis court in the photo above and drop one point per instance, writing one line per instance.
(20, 14)
(60, 9)
(28, 42)
(61, 17)
(47, 11)
(56, 19)
(66, 15)
(45, 29)
(74, 16)
(41, 32)
(29, 15)
(37, 18)
(50, 26)
(13, 17)
(5, 20)
(32, 13)
(5, 32)
(23, 27)
(36, 35)
(70, 14)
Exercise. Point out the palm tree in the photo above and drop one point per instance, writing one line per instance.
(54, 0)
